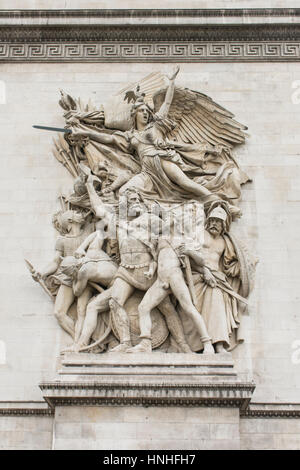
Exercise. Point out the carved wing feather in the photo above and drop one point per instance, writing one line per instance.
(200, 119)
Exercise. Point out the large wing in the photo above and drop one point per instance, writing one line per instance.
(200, 119)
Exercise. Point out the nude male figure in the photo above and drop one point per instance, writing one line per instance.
(91, 263)
(136, 271)
(170, 280)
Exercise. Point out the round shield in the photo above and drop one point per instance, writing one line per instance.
(159, 332)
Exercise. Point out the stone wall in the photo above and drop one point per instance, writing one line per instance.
(111, 428)
(261, 96)
(264, 96)
(26, 432)
(132, 428)
(262, 434)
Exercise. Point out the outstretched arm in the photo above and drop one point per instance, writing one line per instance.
(195, 255)
(96, 136)
(199, 264)
(164, 109)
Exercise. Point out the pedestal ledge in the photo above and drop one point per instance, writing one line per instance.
(155, 379)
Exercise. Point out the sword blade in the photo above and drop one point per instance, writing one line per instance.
(54, 129)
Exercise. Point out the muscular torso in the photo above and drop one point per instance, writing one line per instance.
(67, 245)
(213, 248)
(134, 238)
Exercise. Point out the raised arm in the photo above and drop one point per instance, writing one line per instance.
(164, 109)
(96, 202)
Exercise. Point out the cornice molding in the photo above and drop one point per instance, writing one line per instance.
(26, 412)
(180, 35)
(262, 414)
(148, 33)
(272, 410)
(257, 411)
(176, 12)
(16, 408)
(147, 394)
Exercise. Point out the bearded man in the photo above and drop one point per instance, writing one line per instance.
(223, 272)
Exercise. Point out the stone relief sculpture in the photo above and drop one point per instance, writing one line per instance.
(145, 259)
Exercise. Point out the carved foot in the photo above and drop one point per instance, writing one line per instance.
(122, 347)
(144, 346)
(208, 349)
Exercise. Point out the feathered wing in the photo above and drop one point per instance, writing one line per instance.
(199, 119)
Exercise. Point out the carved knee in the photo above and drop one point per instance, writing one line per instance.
(59, 315)
(91, 307)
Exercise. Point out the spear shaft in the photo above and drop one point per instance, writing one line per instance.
(39, 280)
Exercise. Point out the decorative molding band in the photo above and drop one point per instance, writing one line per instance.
(294, 414)
(26, 412)
(155, 52)
(272, 410)
(292, 411)
(146, 33)
(147, 394)
(153, 13)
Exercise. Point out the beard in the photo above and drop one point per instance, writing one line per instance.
(135, 209)
(214, 230)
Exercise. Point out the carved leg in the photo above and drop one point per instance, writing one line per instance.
(182, 293)
(64, 299)
(98, 305)
(174, 324)
(151, 299)
(121, 291)
(179, 177)
(81, 282)
(82, 302)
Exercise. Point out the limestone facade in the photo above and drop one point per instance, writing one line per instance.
(264, 95)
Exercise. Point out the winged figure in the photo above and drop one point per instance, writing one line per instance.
(152, 141)
(171, 143)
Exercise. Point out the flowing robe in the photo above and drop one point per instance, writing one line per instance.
(222, 312)
(219, 173)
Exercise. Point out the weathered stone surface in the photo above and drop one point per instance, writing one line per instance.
(262, 95)
(26, 432)
(140, 428)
